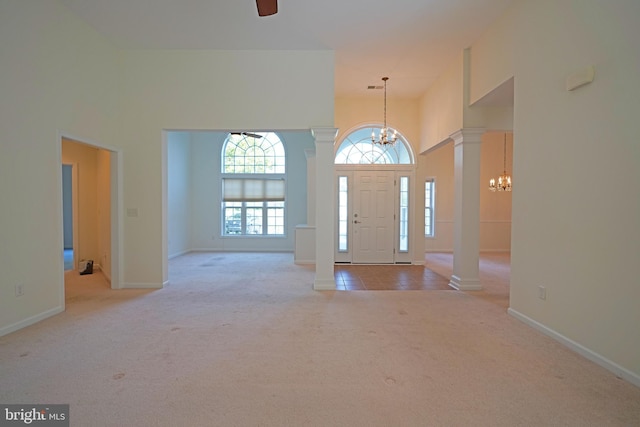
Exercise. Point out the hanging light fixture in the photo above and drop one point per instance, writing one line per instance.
(504, 180)
(384, 137)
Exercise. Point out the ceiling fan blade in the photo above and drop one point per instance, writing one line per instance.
(267, 7)
(249, 134)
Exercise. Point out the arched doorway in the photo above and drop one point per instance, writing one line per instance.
(374, 224)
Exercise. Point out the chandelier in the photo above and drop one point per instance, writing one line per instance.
(384, 138)
(504, 180)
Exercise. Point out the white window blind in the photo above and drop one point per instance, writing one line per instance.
(250, 189)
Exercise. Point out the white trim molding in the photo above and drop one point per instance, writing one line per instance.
(324, 285)
(596, 358)
(143, 285)
(31, 320)
(461, 284)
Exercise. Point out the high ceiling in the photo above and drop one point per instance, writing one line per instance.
(411, 41)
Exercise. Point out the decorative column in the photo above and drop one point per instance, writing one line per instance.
(311, 187)
(325, 208)
(466, 211)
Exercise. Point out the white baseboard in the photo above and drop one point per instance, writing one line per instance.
(324, 285)
(30, 320)
(177, 254)
(613, 367)
(465, 284)
(141, 286)
(240, 250)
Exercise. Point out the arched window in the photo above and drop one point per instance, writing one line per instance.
(254, 153)
(253, 185)
(357, 148)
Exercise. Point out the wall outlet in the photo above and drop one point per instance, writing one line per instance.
(19, 290)
(542, 292)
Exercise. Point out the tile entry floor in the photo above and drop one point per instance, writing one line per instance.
(351, 277)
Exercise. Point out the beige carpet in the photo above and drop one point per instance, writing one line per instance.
(243, 340)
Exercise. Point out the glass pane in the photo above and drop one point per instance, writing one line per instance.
(232, 220)
(259, 153)
(427, 222)
(275, 220)
(404, 230)
(357, 148)
(404, 215)
(428, 208)
(343, 219)
(254, 221)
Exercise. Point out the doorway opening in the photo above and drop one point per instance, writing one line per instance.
(91, 199)
(375, 188)
(67, 215)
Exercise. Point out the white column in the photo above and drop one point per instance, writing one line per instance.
(325, 208)
(311, 187)
(466, 210)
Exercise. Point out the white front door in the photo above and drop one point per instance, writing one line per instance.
(372, 217)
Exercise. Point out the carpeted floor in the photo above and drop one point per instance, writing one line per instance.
(243, 340)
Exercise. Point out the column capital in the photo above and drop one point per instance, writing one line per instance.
(467, 135)
(324, 134)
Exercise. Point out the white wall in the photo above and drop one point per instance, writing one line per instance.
(492, 56)
(205, 214)
(205, 166)
(179, 194)
(56, 75)
(197, 90)
(402, 114)
(575, 218)
(439, 166)
(59, 77)
(441, 107)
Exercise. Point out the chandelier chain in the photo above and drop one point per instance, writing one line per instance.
(384, 138)
(385, 101)
(504, 180)
(505, 153)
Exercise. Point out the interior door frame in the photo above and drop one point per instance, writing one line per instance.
(74, 212)
(116, 203)
(399, 170)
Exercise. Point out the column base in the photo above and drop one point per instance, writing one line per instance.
(465, 284)
(324, 285)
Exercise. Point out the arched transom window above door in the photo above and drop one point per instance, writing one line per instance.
(357, 149)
